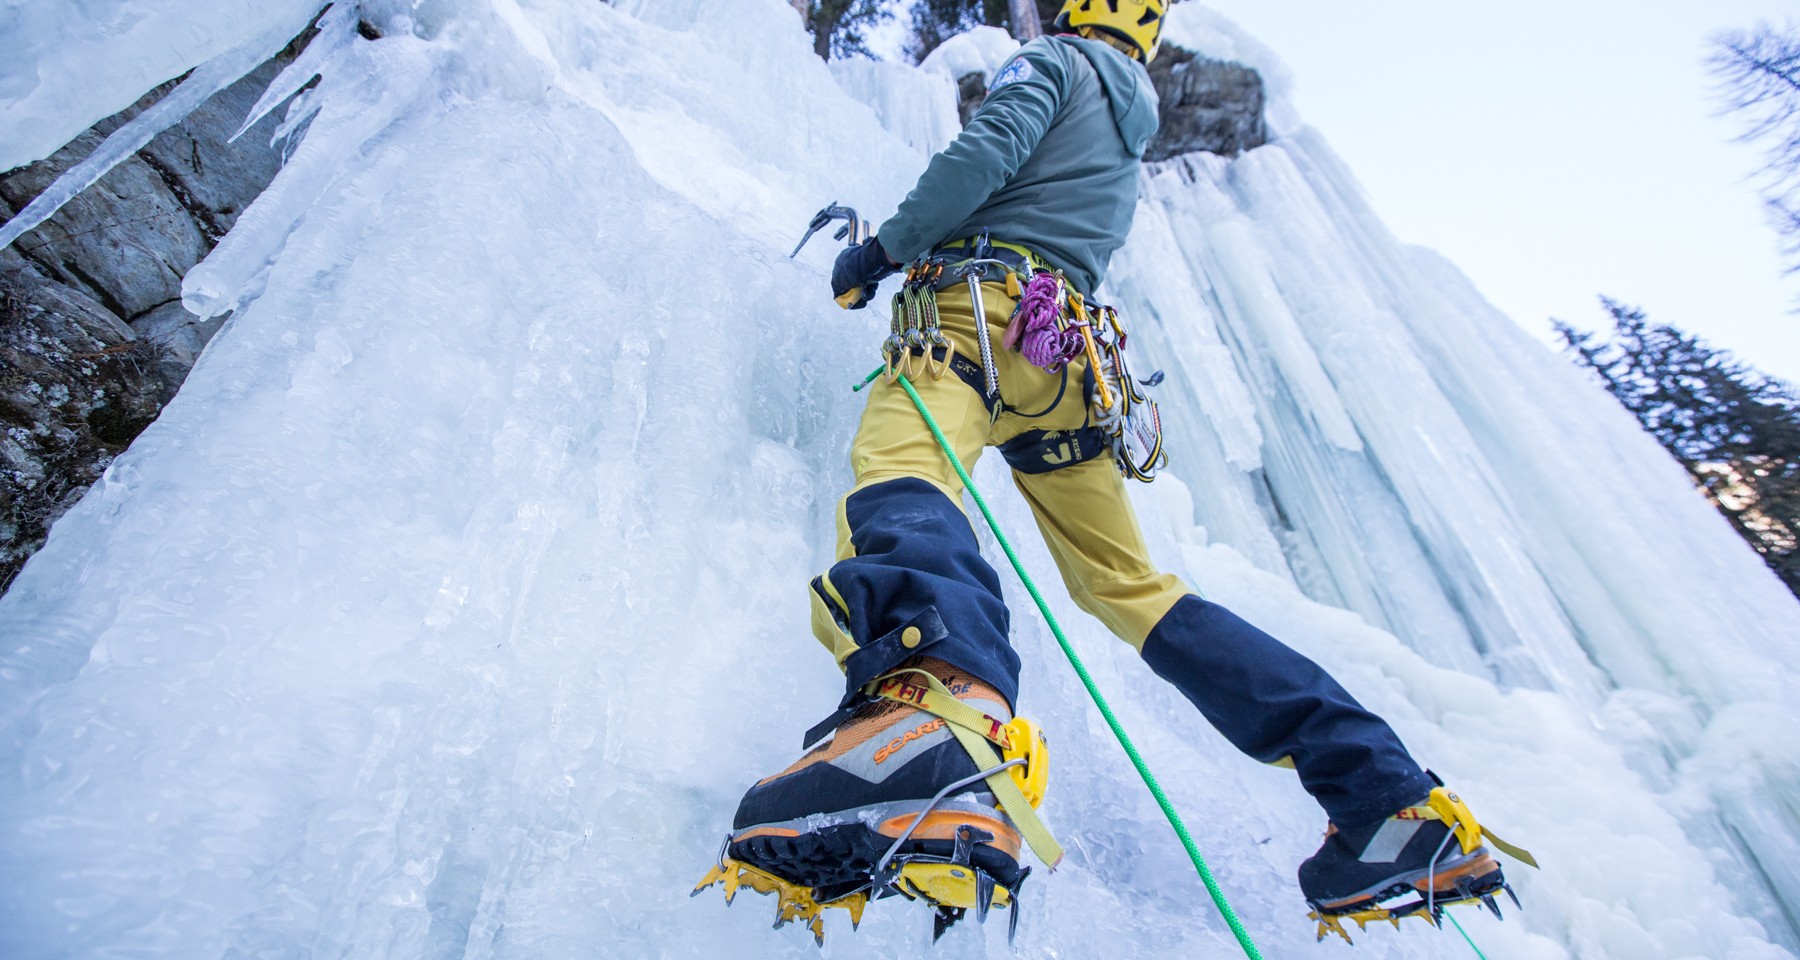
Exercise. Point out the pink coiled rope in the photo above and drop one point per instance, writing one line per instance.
(1034, 331)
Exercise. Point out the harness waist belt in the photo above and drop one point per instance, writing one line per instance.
(1016, 258)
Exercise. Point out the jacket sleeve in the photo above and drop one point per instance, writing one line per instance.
(998, 140)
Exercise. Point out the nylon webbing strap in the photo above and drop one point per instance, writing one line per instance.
(974, 730)
(1517, 853)
(1011, 798)
(929, 694)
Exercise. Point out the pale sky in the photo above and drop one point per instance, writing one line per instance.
(1555, 150)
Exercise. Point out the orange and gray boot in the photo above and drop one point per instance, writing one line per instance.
(927, 792)
(1432, 851)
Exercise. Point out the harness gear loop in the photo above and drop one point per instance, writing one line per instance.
(1054, 325)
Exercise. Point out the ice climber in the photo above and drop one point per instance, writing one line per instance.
(904, 797)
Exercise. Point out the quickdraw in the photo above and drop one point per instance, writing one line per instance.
(914, 331)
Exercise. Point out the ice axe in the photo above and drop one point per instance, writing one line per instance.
(854, 231)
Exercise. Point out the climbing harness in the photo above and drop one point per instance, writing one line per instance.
(1053, 326)
(1129, 418)
(1012, 759)
(1478, 891)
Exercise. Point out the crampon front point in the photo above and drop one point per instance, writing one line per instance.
(1431, 909)
(951, 885)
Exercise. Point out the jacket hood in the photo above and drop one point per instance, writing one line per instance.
(1127, 85)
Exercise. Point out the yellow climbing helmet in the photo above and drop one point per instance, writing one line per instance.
(1136, 22)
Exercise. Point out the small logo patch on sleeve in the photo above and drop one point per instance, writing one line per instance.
(1018, 69)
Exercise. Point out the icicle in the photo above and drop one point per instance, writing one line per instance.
(365, 87)
(336, 29)
(207, 79)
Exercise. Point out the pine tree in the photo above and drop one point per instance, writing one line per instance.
(838, 26)
(1759, 73)
(1736, 430)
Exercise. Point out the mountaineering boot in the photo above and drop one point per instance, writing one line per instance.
(1431, 850)
(896, 802)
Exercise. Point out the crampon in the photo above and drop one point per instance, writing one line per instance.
(944, 826)
(952, 886)
(1463, 873)
(1480, 892)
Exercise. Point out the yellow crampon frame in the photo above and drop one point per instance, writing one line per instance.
(794, 903)
(1469, 834)
(1018, 775)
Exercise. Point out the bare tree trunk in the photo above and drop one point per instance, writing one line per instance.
(801, 6)
(823, 28)
(1026, 25)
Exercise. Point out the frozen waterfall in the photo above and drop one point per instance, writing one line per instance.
(452, 604)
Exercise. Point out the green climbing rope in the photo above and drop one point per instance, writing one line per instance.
(1143, 769)
(1465, 935)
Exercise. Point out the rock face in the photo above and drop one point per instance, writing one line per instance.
(1214, 106)
(971, 89)
(93, 337)
(1207, 105)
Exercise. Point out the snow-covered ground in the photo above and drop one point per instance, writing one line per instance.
(453, 603)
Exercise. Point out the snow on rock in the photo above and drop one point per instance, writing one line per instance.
(455, 600)
(1206, 32)
(982, 50)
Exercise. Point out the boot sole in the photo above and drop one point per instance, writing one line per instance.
(1476, 873)
(835, 854)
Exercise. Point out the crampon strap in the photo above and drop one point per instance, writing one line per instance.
(979, 733)
(1452, 810)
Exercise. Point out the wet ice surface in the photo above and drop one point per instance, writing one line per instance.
(456, 599)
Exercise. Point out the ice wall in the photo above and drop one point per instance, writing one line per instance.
(453, 603)
(70, 64)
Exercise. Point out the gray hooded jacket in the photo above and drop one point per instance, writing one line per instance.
(1049, 162)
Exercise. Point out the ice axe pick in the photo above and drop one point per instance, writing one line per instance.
(854, 231)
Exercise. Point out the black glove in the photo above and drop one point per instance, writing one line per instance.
(862, 266)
